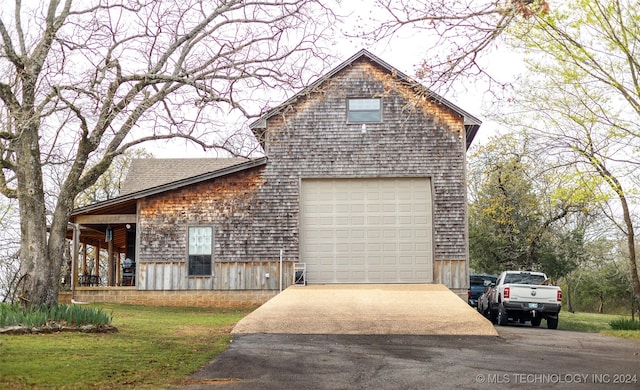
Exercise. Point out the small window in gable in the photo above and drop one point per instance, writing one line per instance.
(364, 110)
(200, 250)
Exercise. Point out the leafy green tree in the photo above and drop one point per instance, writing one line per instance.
(519, 217)
(581, 100)
(604, 286)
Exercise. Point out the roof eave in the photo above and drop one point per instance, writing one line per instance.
(471, 131)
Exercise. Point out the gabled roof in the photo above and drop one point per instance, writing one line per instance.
(152, 172)
(471, 123)
(128, 200)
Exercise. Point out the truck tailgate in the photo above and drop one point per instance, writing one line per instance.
(530, 293)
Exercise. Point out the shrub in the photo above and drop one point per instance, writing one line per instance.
(625, 324)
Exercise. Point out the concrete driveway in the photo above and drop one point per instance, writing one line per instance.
(366, 309)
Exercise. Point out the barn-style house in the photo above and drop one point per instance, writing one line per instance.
(362, 181)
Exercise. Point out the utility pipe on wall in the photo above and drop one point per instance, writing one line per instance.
(280, 278)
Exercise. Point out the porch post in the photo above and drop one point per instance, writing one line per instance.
(84, 259)
(110, 262)
(74, 260)
(97, 261)
(118, 276)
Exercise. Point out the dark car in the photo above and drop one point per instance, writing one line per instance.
(477, 284)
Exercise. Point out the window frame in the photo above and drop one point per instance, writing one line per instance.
(364, 111)
(200, 257)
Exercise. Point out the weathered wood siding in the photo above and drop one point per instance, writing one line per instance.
(255, 213)
(453, 274)
(258, 275)
(249, 232)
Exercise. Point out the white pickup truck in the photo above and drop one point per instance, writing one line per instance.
(522, 296)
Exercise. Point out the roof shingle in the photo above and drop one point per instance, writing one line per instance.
(148, 173)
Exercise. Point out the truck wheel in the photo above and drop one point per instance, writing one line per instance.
(535, 321)
(493, 316)
(503, 318)
(552, 323)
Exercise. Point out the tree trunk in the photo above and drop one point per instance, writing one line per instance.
(569, 302)
(635, 280)
(631, 240)
(41, 285)
(629, 233)
(601, 305)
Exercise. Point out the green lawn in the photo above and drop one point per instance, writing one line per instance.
(156, 347)
(594, 322)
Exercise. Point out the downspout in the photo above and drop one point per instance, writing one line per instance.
(280, 278)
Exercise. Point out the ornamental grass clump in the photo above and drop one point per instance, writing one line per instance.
(70, 315)
(625, 324)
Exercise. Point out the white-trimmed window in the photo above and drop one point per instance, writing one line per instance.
(364, 110)
(200, 250)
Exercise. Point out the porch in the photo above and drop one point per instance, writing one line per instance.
(103, 250)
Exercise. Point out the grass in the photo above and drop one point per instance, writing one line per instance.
(597, 323)
(154, 348)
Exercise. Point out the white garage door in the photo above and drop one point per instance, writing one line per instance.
(367, 230)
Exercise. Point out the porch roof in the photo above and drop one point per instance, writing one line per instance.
(126, 203)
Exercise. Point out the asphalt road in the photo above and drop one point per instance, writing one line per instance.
(521, 357)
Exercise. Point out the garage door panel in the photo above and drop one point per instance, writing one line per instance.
(389, 260)
(358, 235)
(406, 247)
(373, 235)
(358, 246)
(406, 260)
(357, 196)
(418, 208)
(324, 234)
(357, 209)
(421, 233)
(406, 220)
(373, 261)
(422, 261)
(366, 230)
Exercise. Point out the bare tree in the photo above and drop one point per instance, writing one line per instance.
(80, 83)
(462, 31)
